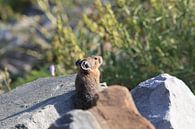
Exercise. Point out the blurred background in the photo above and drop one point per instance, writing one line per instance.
(138, 39)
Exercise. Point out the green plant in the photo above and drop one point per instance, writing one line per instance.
(17, 5)
(65, 46)
(138, 39)
(5, 81)
(6, 13)
(31, 76)
(147, 38)
(10, 9)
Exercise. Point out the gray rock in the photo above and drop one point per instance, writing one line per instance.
(19, 40)
(166, 101)
(37, 104)
(76, 119)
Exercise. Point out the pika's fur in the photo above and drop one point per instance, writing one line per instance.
(87, 82)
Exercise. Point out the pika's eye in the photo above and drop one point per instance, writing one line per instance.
(86, 65)
(95, 58)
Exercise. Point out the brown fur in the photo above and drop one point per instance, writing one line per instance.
(87, 82)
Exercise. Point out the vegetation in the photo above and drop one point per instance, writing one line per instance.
(5, 81)
(138, 39)
(147, 39)
(33, 75)
(9, 9)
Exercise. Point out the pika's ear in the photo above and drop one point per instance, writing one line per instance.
(100, 60)
(85, 65)
(78, 62)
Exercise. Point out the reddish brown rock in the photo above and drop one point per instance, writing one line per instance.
(115, 109)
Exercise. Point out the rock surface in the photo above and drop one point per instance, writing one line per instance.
(24, 43)
(37, 104)
(115, 109)
(76, 119)
(166, 101)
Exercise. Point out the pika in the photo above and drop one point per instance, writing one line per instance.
(87, 82)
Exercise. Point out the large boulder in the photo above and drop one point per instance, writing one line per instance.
(76, 119)
(166, 101)
(115, 109)
(38, 104)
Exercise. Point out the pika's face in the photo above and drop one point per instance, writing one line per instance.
(90, 63)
